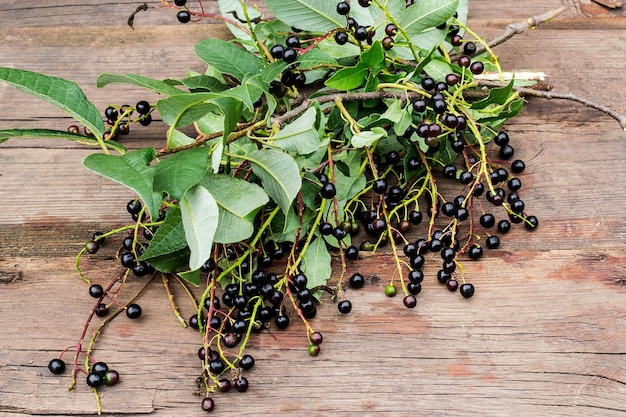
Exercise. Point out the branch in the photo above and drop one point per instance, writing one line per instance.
(621, 119)
(513, 29)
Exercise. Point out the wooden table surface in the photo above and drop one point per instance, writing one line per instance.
(544, 334)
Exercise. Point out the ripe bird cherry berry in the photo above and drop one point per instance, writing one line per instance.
(290, 55)
(95, 379)
(207, 404)
(180, 3)
(341, 38)
(246, 362)
(467, 290)
(56, 366)
(410, 301)
(241, 384)
(316, 338)
(96, 290)
(183, 16)
(357, 281)
(328, 190)
(344, 306)
(133, 311)
(343, 8)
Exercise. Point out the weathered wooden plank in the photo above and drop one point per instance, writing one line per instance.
(542, 336)
(513, 346)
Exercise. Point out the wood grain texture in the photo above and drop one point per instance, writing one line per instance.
(544, 334)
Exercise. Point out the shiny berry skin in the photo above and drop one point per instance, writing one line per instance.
(339, 233)
(133, 311)
(352, 253)
(531, 222)
(292, 42)
(207, 404)
(493, 242)
(341, 38)
(390, 29)
(410, 301)
(223, 384)
(477, 67)
(95, 379)
(387, 42)
(357, 281)
(390, 290)
(343, 8)
(101, 310)
(414, 288)
(417, 262)
(419, 105)
(452, 285)
(449, 171)
(290, 55)
(316, 338)
(469, 48)
(507, 152)
(364, 3)
(281, 322)
(344, 306)
(326, 229)
(328, 190)
(128, 260)
(464, 61)
(246, 362)
(467, 290)
(314, 350)
(361, 33)
(56, 366)
(180, 3)
(241, 384)
(379, 186)
(142, 107)
(92, 246)
(504, 226)
(518, 166)
(277, 51)
(415, 217)
(111, 377)
(501, 139)
(96, 290)
(100, 368)
(183, 16)
(475, 252)
(443, 276)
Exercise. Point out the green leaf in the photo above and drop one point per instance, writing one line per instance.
(228, 58)
(204, 82)
(348, 78)
(317, 263)
(373, 56)
(200, 216)
(497, 95)
(427, 14)
(183, 109)
(177, 173)
(132, 170)
(193, 277)
(315, 57)
(236, 199)
(56, 134)
(139, 81)
(169, 237)
(311, 15)
(438, 68)
(64, 95)
(171, 262)
(279, 175)
(368, 137)
(300, 136)
(249, 91)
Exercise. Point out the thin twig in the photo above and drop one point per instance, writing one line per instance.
(621, 119)
(513, 29)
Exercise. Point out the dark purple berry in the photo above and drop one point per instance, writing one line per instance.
(56, 366)
(467, 290)
(183, 16)
(133, 311)
(344, 306)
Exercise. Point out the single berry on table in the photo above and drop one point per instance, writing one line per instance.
(56, 366)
